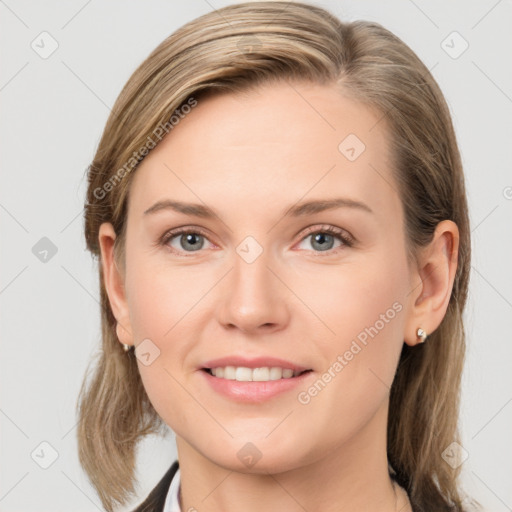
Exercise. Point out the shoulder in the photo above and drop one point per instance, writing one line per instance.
(155, 500)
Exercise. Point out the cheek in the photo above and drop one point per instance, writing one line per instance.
(165, 305)
(349, 298)
(363, 306)
(162, 294)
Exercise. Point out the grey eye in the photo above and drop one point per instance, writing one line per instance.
(189, 242)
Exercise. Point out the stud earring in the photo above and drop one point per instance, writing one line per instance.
(422, 335)
(126, 347)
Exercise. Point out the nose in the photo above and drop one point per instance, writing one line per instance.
(254, 298)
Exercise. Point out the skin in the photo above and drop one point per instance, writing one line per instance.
(250, 157)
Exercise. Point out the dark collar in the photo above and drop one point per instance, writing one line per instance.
(156, 498)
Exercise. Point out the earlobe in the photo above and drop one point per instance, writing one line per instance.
(437, 265)
(125, 337)
(114, 283)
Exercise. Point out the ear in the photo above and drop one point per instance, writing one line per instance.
(433, 281)
(114, 283)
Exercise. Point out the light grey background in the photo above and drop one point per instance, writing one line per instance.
(53, 113)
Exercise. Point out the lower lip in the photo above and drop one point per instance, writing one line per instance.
(253, 391)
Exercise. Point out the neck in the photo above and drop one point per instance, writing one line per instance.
(352, 476)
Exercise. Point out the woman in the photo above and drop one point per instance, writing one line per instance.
(278, 206)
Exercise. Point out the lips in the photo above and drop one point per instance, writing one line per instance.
(253, 380)
(257, 362)
(254, 391)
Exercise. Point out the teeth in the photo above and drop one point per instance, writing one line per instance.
(229, 372)
(261, 374)
(244, 374)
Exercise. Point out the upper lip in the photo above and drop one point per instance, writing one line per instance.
(254, 362)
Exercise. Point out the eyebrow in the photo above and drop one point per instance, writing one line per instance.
(296, 210)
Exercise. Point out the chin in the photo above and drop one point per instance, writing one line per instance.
(260, 463)
(252, 456)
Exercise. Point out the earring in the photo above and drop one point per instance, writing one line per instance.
(126, 347)
(422, 335)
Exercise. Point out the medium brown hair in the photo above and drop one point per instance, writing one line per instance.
(234, 49)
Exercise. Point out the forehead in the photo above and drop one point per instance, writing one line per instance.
(267, 146)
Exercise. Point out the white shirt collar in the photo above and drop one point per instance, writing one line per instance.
(172, 503)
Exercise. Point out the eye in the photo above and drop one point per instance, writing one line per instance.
(323, 238)
(184, 240)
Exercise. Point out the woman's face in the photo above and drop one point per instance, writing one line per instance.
(295, 259)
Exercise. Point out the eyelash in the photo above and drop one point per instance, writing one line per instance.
(343, 236)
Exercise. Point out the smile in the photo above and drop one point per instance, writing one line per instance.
(254, 385)
(244, 374)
